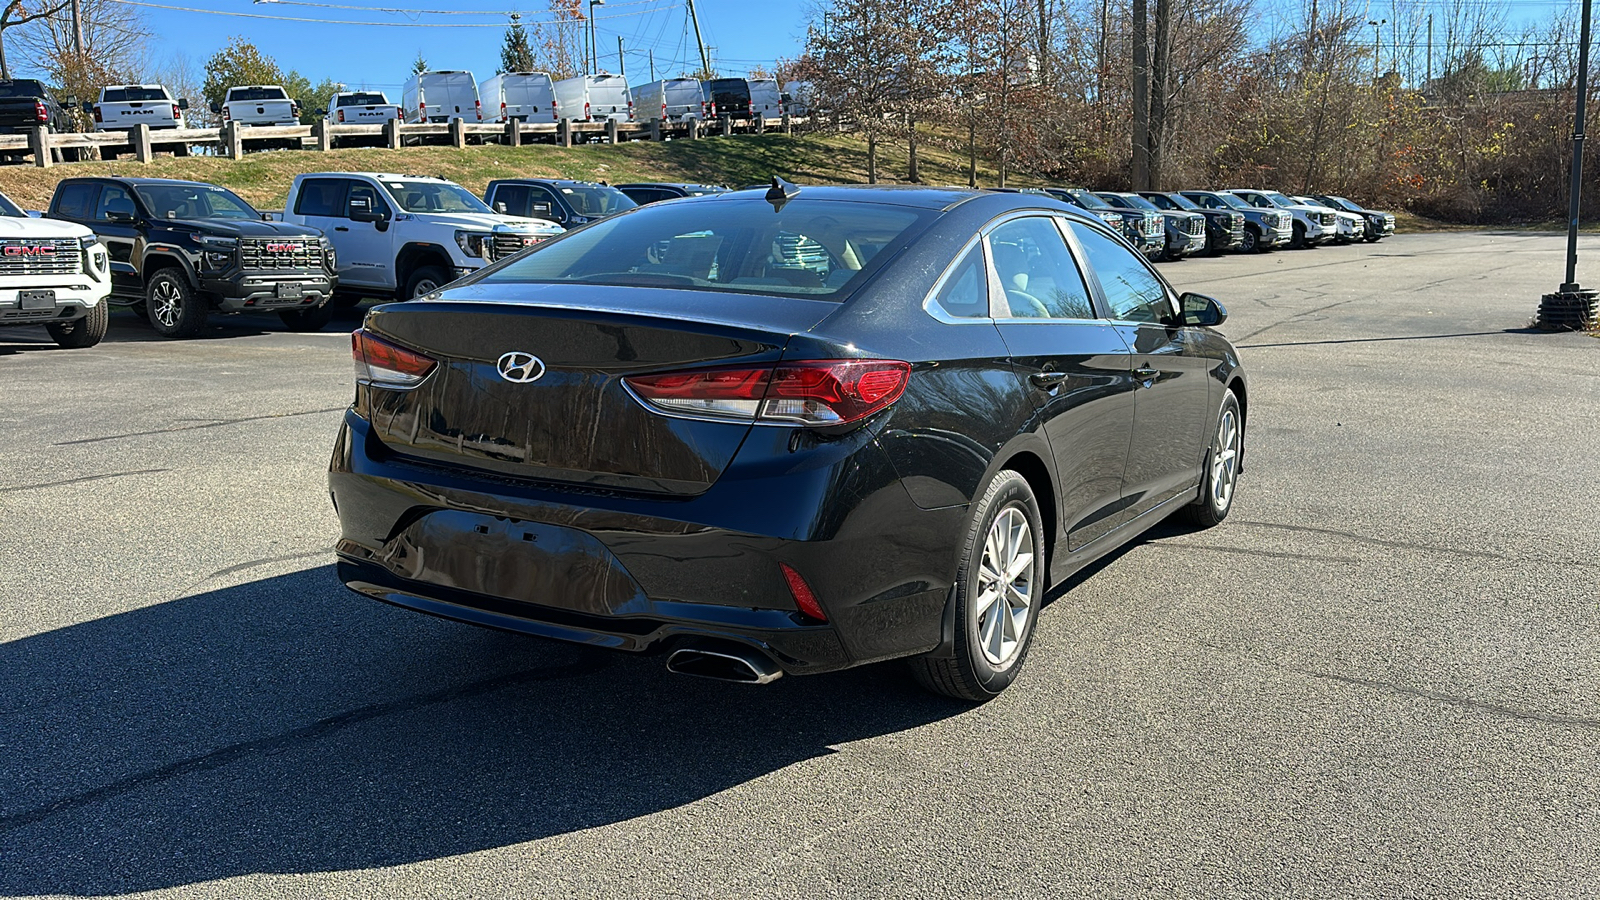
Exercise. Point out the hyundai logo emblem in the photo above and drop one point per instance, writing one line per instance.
(520, 368)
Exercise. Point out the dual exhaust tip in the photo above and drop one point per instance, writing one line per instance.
(724, 662)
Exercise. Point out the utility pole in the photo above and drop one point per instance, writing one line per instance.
(652, 65)
(705, 61)
(1044, 45)
(1430, 51)
(1376, 24)
(1572, 307)
(622, 62)
(77, 28)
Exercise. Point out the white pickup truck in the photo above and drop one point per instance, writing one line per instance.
(258, 104)
(55, 274)
(404, 235)
(361, 108)
(122, 106)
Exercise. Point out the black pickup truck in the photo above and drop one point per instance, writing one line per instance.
(25, 103)
(180, 249)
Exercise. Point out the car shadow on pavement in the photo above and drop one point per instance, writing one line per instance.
(287, 726)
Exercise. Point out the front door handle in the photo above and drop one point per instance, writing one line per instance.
(1145, 373)
(1048, 381)
(340, 228)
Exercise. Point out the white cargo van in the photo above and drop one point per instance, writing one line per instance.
(122, 106)
(671, 100)
(441, 96)
(524, 96)
(594, 98)
(766, 101)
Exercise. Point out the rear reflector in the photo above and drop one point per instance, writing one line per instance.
(804, 599)
(380, 362)
(818, 392)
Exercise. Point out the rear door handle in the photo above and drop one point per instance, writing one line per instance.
(1048, 381)
(340, 228)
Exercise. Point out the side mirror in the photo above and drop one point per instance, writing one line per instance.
(120, 211)
(1198, 309)
(183, 102)
(216, 108)
(88, 107)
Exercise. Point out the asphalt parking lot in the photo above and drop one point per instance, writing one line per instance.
(1380, 677)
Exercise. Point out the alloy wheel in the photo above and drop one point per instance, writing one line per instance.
(1006, 586)
(166, 304)
(1225, 462)
(424, 287)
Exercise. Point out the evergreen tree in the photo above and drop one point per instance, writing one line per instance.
(516, 54)
(419, 65)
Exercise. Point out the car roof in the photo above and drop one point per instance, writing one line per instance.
(670, 184)
(554, 181)
(376, 175)
(890, 194)
(125, 179)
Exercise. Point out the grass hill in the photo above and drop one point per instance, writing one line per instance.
(738, 160)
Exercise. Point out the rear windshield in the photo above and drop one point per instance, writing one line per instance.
(257, 93)
(362, 100)
(25, 87)
(134, 95)
(729, 87)
(595, 199)
(193, 201)
(819, 249)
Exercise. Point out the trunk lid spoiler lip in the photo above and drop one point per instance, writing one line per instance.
(780, 314)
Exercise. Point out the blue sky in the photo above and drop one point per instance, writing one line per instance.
(743, 32)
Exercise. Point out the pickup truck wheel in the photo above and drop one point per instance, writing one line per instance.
(426, 280)
(174, 309)
(312, 319)
(1298, 242)
(1251, 242)
(84, 332)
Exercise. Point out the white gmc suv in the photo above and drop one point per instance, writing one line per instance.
(55, 274)
(403, 235)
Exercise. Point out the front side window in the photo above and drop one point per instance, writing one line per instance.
(817, 249)
(1037, 272)
(1133, 292)
(109, 195)
(965, 292)
(434, 197)
(361, 190)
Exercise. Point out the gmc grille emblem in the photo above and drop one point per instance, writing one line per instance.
(30, 251)
(281, 248)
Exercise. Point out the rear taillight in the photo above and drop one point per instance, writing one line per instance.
(39, 111)
(477, 109)
(586, 110)
(502, 110)
(227, 114)
(97, 114)
(175, 113)
(422, 111)
(380, 362)
(815, 393)
(341, 116)
(805, 599)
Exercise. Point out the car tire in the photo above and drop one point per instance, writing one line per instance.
(1374, 238)
(84, 332)
(310, 319)
(1220, 477)
(1251, 242)
(985, 662)
(425, 280)
(345, 300)
(175, 310)
(1298, 242)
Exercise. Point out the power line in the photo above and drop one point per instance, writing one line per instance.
(246, 15)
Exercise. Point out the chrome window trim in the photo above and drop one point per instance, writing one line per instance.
(930, 303)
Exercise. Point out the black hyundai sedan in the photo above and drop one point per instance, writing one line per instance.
(788, 431)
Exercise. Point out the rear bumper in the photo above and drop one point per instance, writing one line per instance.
(642, 574)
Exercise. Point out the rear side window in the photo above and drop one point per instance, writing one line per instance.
(965, 292)
(75, 200)
(320, 197)
(1133, 292)
(819, 249)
